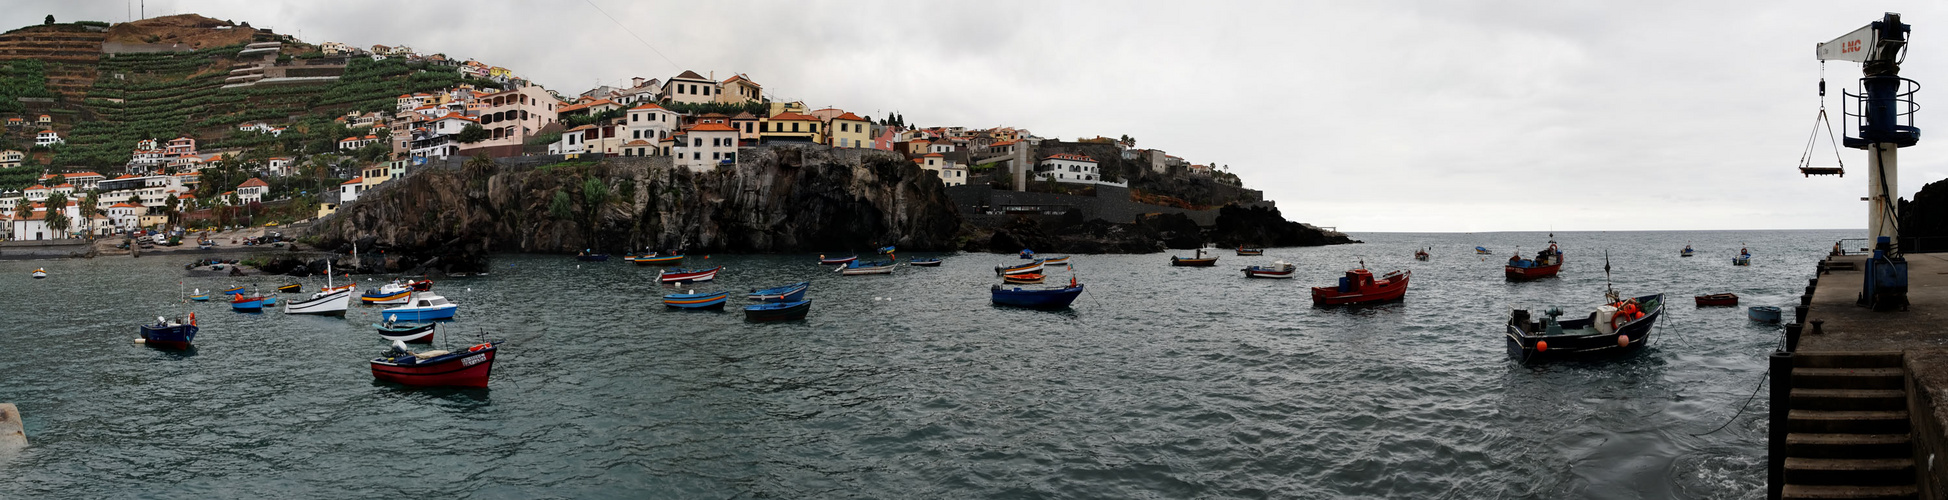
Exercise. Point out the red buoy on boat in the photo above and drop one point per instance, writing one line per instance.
(1541, 345)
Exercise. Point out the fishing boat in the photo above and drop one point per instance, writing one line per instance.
(712, 300)
(1277, 270)
(1244, 252)
(1483, 251)
(1744, 258)
(1421, 254)
(789, 293)
(247, 303)
(1359, 286)
(1048, 298)
(1617, 326)
(679, 275)
(419, 285)
(1763, 314)
(424, 306)
(40, 273)
(411, 333)
(330, 300)
(653, 260)
(778, 311)
(291, 288)
(1687, 252)
(1027, 254)
(389, 293)
(916, 261)
(1032, 267)
(1204, 258)
(199, 295)
(437, 368)
(237, 290)
(591, 256)
(886, 250)
(833, 261)
(856, 268)
(1055, 261)
(1023, 279)
(1717, 299)
(1546, 263)
(170, 334)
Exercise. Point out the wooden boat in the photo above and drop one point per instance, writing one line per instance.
(1763, 314)
(199, 295)
(389, 293)
(1359, 286)
(688, 275)
(833, 261)
(1717, 299)
(1053, 298)
(439, 368)
(713, 300)
(856, 268)
(419, 285)
(328, 303)
(916, 261)
(1027, 254)
(247, 303)
(1547, 263)
(411, 333)
(347, 286)
(653, 260)
(1483, 251)
(1744, 258)
(1204, 258)
(291, 288)
(1687, 252)
(237, 290)
(778, 311)
(40, 273)
(1022, 279)
(1242, 251)
(1032, 267)
(170, 334)
(1055, 261)
(887, 250)
(1421, 255)
(1613, 328)
(588, 256)
(424, 306)
(789, 293)
(1278, 270)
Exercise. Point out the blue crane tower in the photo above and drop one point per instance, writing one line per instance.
(1884, 112)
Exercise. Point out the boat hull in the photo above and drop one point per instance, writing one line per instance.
(1244, 252)
(788, 293)
(1183, 262)
(781, 311)
(1023, 279)
(1029, 268)
(461, 369)
(1530, 273)
(378, 297)
(659, 261)
(1279, 274)
(333, 303)
(1722, 299)
(291, 288)
(1763, 314)
(1394, 288)
(168, 337)
(1034, 299)
(682, 276)
(1523, 345)
(1060, 261)
(863, 270)
(925, 263)
(696, 300)
(248, 305)
(838, 261)
(411, 334)
(445, 311)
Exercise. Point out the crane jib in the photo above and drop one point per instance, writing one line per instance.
(1853, 46)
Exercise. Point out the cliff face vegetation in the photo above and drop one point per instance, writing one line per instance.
(776, 200)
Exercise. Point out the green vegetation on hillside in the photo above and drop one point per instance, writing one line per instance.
(21, 78)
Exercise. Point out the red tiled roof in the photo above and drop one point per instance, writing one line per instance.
(932, 155)
(63, 185)
(355, 180)
(125, 176)
(124, 205)
(790, 116)
(713, 127)
(35, 187)
(253, 182)
(1070, 157)
(647, 105)
(851, 117)
(741, 77)
(637, 142)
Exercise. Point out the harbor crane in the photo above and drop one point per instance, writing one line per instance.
(1884, 114)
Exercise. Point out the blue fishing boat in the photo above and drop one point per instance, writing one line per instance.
(1051, 298)
(425, 306)
(199, 295)
(247, 303)
(238, 290)
(916, 261)
(789, 293)
(886, 249)
(778, 311)
(170, 334)
(1027, 254)
(1744, 258)
(1482, 251)
(591, 256)
(712, 300)
(1687, 252)
(1763, 314)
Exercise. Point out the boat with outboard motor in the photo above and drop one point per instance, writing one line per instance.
(169, 334)
(1616, 326)
(1359, 286)
(788, 293)
(1277, 270)
(1687, 252)
(437, 368)
(1744, 258)
(424, 306)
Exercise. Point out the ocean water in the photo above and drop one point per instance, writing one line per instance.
(1160, 382)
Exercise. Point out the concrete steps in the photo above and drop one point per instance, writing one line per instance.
(1848, 429)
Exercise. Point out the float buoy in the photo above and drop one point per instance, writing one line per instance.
(1623, 341)
(140, 341)
(1541, 346)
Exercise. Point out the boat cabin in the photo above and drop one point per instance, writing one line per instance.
(433, 301)
(1355, 280)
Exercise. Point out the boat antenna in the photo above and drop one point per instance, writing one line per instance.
(1609, 292)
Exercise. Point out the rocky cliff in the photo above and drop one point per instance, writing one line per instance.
(775, 200)
(1236, 226)
(1924, 220)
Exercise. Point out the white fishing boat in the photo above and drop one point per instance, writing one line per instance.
(330, 300)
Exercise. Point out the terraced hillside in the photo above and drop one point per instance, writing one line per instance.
(67, 53)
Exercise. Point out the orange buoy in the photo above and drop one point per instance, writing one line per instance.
(1541, 345)
(1623, 341)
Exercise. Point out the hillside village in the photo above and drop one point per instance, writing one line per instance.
(263, 128)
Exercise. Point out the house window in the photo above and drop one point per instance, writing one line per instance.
(794, 127)
(814, 127)
(730, 156)
(713, 155)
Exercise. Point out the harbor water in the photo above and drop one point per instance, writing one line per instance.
(1160, 382)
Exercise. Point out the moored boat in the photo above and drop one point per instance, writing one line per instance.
(1032, 267)
(1204, 258)
(291, 288)
(247, 303)
(323, 302)
(778, 311)
(833, 261)
(1614, 327)
(1277, 270)
(591, 256)
(1359, 286)
(1687, 252)
(419, 285)
(916, 261)
(424, 306)
(1051, 298)
(411, 333)
(710, 300)
(237, 290)
(1023, 279)
(389, 293)
(1421, 254)
(1055, 261)
(1546, 263)
(1744, 258)
(788, 293)
(199, 295)
(1242, 251)
(40, 273)
(1763, 314)
(1483, 251)
(438, 368)
(1717, 299)
(170, 334)
(1027, 254)
(856, 268)
(679, 275)
(654, 260)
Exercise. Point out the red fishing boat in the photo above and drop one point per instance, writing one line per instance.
(1717, 299)
(1359, 286)
(467, 368)
(420, 285)
(1545, 264)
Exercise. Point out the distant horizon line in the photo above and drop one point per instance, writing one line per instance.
(1863, 230)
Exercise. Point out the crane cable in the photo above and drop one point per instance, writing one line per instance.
(1812, 140)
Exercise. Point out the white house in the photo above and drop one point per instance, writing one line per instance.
(950, 173)
(650, 122)
(252, 190)
(351, 143)
(572, 141)
(1068, 168)
(349, 190)
(689, 87)
(10, 158)
(279, 166)
(705, 146)
(126, 216)
(47, 138)
(36, 192)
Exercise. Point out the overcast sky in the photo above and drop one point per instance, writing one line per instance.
(1368, 116)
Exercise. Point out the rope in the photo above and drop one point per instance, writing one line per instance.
(1741, 408)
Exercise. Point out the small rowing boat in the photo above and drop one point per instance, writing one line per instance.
(680, 275)
(777, 311)
(1022, 279)
(1277, 270)
(713, 300)
(1717, 299)
(788, 293)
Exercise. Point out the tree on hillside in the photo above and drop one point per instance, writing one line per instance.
(49, 21)
(561, 207)
(169, 204)
(472, 134)
(90, 205)
(23, 206)
(57, 216)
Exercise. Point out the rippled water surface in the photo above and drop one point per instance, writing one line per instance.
(1160, 382)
